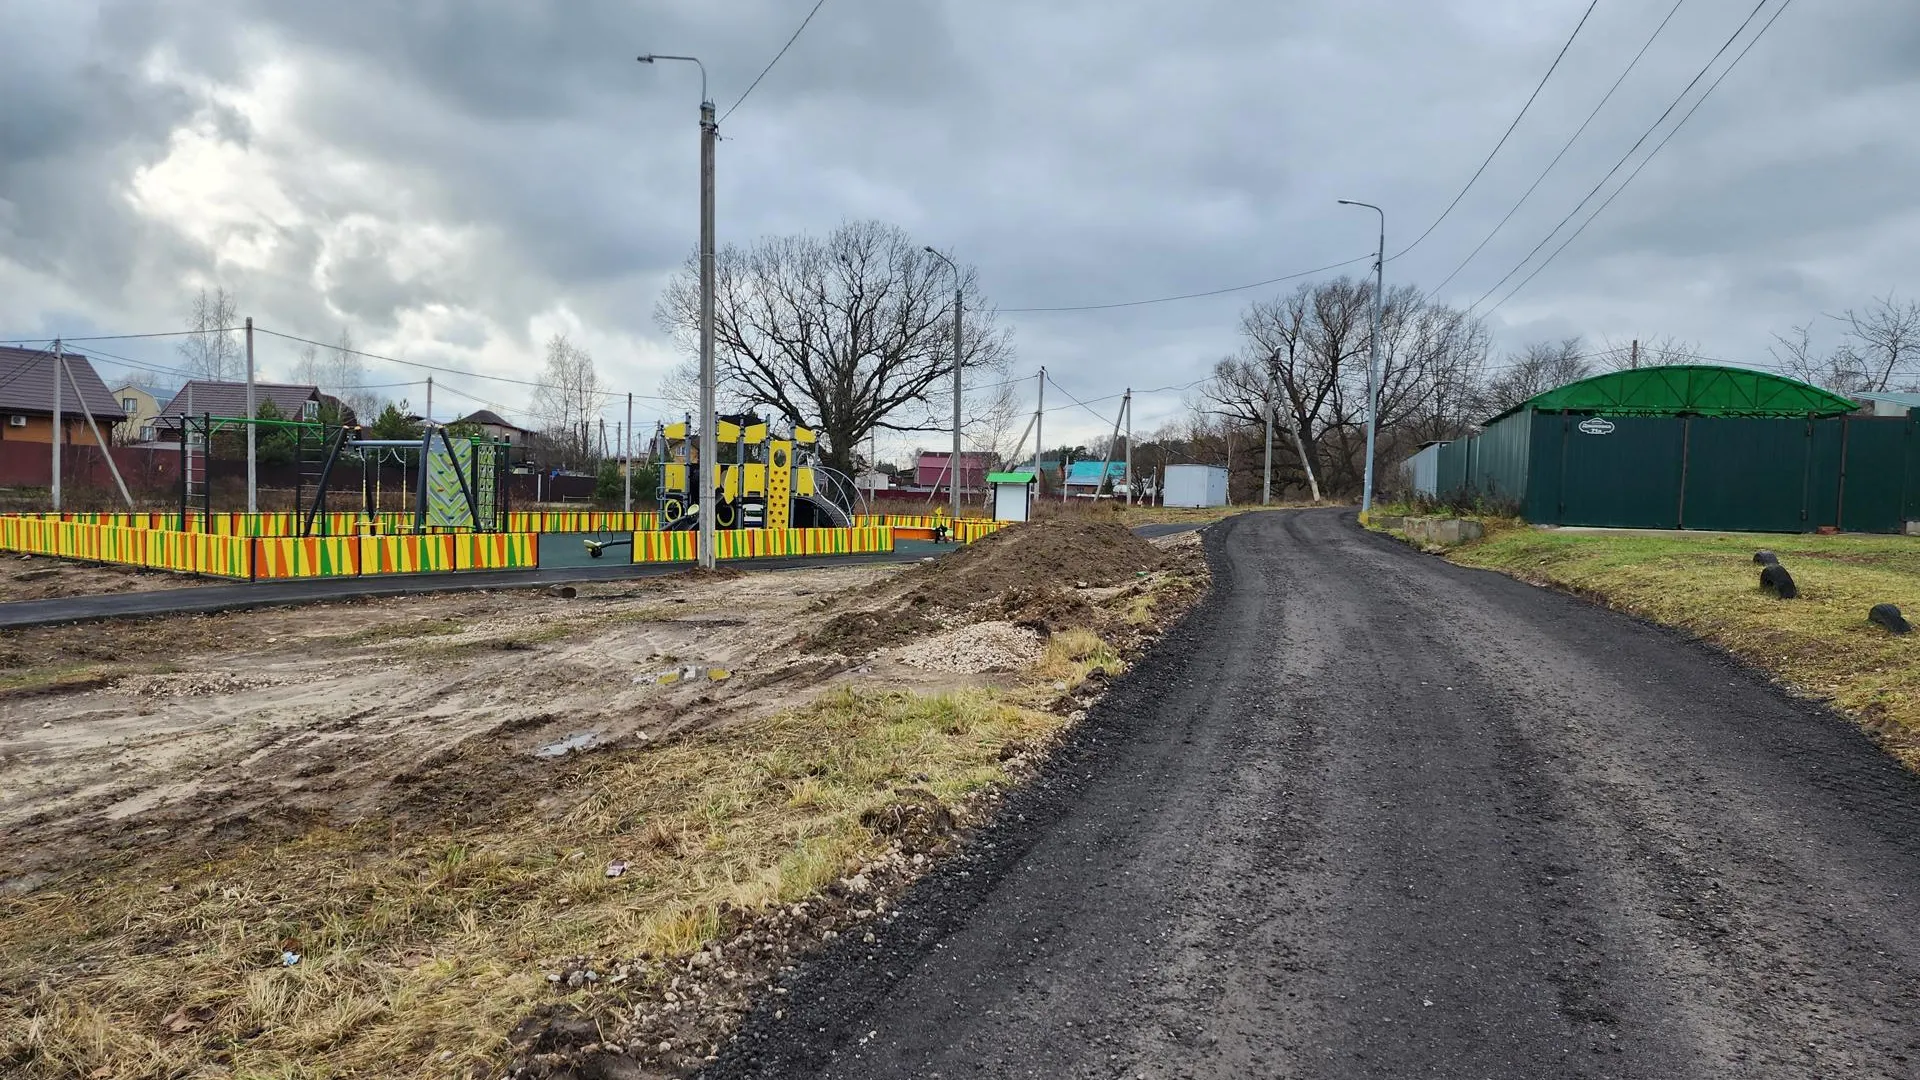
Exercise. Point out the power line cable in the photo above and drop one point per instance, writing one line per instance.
(1551, 68)
(1624, 158)
(1563, 149)
(1077, 401)
(1194, 295)
(776, 58)
(1675, 130)
(443, 368)
(130, 337)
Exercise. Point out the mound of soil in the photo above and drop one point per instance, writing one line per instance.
(1057, 550)
(1027, 575)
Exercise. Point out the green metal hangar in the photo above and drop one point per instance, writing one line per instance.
(1692, 447)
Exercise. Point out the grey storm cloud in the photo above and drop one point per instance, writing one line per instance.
(453, 181)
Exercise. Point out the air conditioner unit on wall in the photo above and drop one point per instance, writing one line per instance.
(16, 421)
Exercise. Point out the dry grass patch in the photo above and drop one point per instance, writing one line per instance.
(414, 945)
(1820, 645)
(1071, 657)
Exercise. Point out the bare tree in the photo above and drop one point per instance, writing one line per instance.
(1537, 368)
(345, 378)
(211, 350)
(568, 397)
(307, 369)
(1308, 352)
(1839, 370)
(853, 331)
(1883, 340)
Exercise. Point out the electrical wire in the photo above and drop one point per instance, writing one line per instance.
(1194, 295)
(776, 58)
(448, 370)
(1077, 401)
(130, 337)
(1504, 137)
(1563, 149)
(1624, 158)
(1675, 130)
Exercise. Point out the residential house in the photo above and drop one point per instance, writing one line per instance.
(139, 406)
(27, 379)
(493, 426)
(930, 471)
(1086, 478)
(205, 397)
(1877, 403)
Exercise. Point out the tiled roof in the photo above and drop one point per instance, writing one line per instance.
(205, 397)
(26, 384)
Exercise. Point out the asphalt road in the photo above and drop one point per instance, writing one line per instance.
(1367, 814)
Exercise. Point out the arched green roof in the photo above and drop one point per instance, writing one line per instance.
(1689, 390)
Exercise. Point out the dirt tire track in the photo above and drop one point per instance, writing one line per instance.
(1367, 814)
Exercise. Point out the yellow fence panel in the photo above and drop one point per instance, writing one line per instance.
(306, 556)
(967, 530)
(496, 551)
(657, 547)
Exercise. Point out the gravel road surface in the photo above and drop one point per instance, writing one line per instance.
(1367, 814)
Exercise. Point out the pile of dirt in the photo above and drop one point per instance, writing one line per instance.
(1029, 575)
(1072, 553)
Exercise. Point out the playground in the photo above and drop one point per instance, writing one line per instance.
(773, 499)
(431, 802)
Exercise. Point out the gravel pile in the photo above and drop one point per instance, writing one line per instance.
(982, 647)
(191, 684)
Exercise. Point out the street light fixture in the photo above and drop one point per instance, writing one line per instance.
(709, 447)
(953, 465)
(1373, 353)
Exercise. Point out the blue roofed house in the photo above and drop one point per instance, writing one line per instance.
(1085, 478)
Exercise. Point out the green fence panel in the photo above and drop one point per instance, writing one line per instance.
(1497, 462)
(1620, 471)
(1873, 480)
(1746, 474)
(1452, 468)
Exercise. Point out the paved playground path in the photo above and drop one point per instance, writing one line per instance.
(240, 596)
(1368, 814)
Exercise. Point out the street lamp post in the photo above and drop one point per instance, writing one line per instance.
(953, 466)
(709, 448)
(1373, 353)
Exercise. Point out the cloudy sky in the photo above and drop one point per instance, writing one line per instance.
(453, 182)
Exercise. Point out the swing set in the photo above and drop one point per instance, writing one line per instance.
(460, 484)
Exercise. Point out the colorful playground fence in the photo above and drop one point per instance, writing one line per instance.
(195, 553)
(651, 547)
(144, 540)
(356, 523)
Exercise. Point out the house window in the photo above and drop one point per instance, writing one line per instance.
(310, 410)
(132, 405)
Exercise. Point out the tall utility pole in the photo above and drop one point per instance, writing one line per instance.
(1266, 476)
(59, 433)
(709, 445)
(253, 414)
(953, 481)
(1039, 422)
(626, 453)
(1106, 459)
(429, 417)
(1633, 358)
(1373, 352)
(1129, 446)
